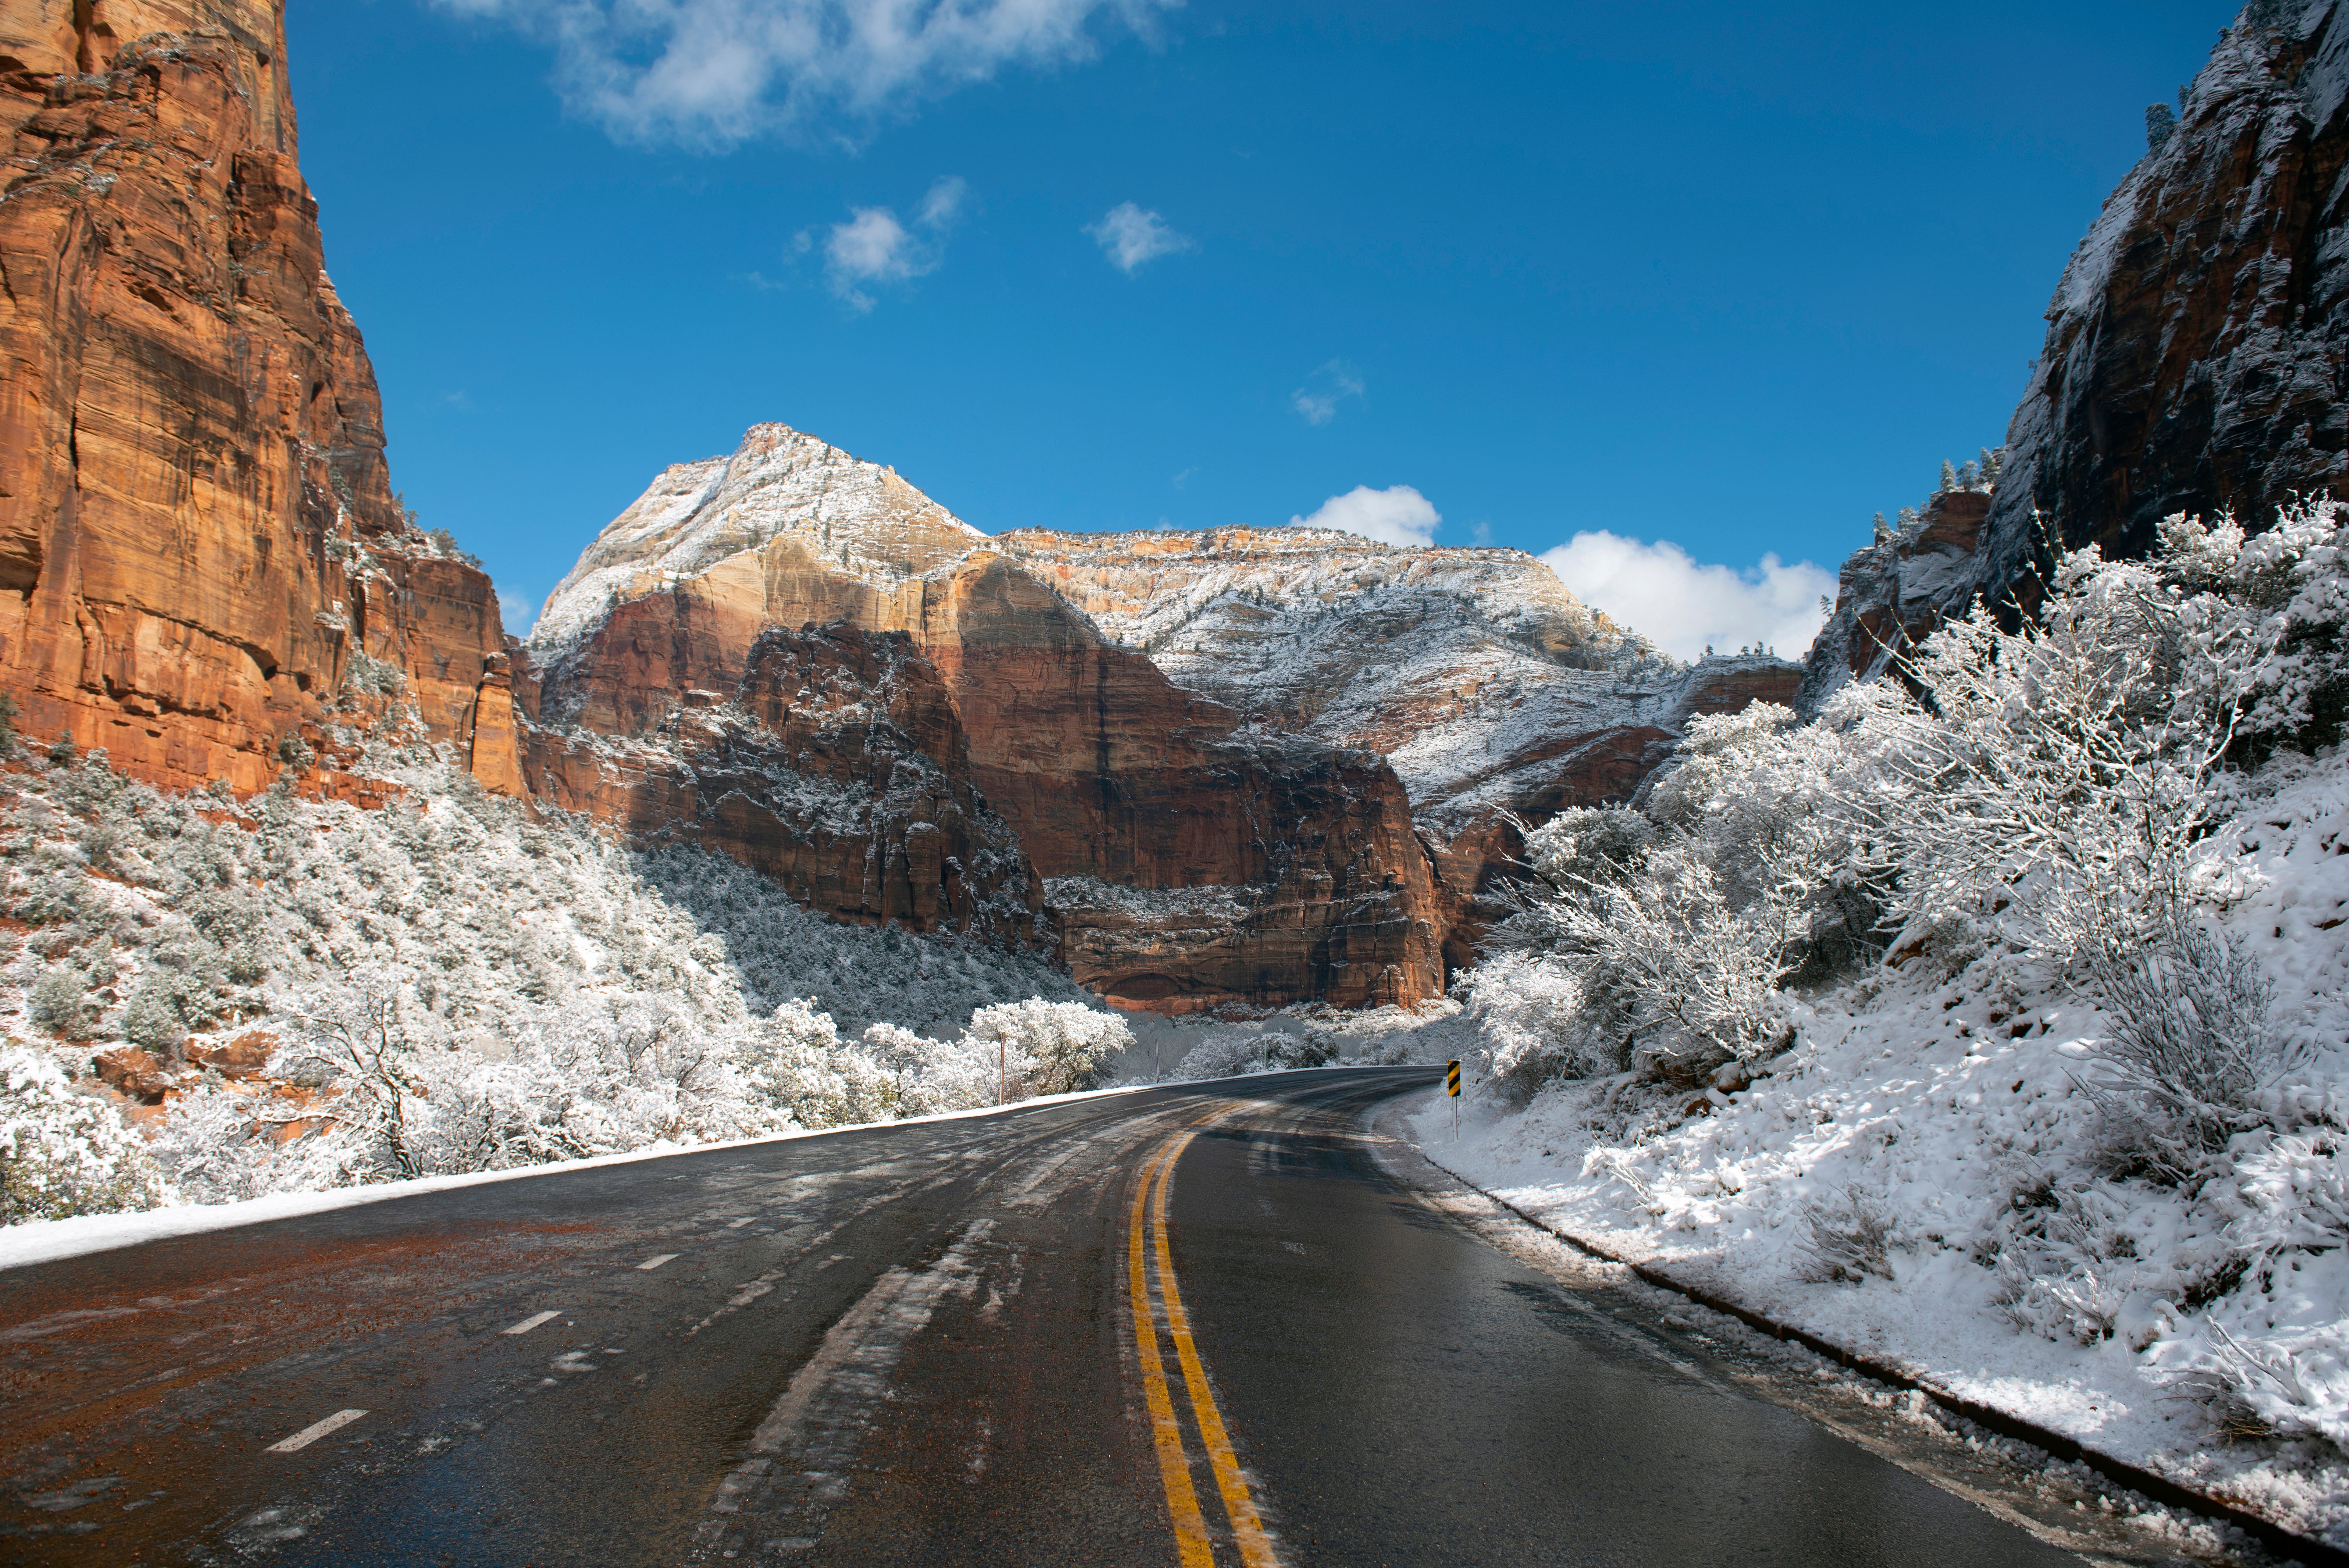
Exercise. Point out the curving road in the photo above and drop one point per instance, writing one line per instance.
(1216, 1325)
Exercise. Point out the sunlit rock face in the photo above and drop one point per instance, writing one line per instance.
(2194, 351)
(1109, 774)
(1253, 767)
(197, 539)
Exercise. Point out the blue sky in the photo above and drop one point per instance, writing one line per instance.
(1677, 274)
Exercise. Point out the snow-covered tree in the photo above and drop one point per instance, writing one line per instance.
(1065, 1045)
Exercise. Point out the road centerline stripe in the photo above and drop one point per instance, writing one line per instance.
(1247, 1530)
(527, 1323)
(1174, 1466)
(315, 1430)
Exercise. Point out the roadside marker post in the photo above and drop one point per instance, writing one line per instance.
(1452, 1087)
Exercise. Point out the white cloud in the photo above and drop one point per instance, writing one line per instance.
(943, 205)
(873, 247)
(1130, 236)
(1397, 515)
(1327, 387)
(716, 72)
(1681, 605)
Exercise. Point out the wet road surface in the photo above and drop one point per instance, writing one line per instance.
(1207, 1325)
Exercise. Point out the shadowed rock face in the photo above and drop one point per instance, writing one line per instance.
(1253, 767)
(834, 763)
(1116, 781)
(196, 534)
(2195, 352)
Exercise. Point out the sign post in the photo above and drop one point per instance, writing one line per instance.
(1451, 1088)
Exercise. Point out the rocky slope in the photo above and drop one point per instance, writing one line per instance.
(1253, 766)
(834, 763)
(2194, 359)
(199, 548)
(1112, 776)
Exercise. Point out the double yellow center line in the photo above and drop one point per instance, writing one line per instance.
(1146, 1239)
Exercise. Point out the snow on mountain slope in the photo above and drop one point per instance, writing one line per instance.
(1472, 671)
(779, 481)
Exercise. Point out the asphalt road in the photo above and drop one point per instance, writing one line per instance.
(1194, 1327)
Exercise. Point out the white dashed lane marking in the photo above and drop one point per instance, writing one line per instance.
(315, 1430)
(656, 1260)
(527, 1323)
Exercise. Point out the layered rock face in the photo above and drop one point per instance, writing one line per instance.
(834, 763)
(1253, 766)
(2195, 352)
(1494, 693)
(198, 545)
(1116, 781)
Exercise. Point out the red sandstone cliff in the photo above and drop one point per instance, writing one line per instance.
(1253, 767)
(197, 537)
(1120, 785)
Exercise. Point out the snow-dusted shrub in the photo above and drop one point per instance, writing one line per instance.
(1068, 1044)
(219, 1145)
(2262, 621)
(2039, 786)
(1850, 1238)
(933, 1076)
(2069, 1260)
(2189, 1058)
(1529, 1008)
(1227, 1057)
(1663, 935)
(63, 1152)
(800, 1062)
(1232, 1055)
(592, 1077)
(2052, 778)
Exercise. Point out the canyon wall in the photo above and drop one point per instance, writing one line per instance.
(2194, 359)
(1253, 767)
(197, 535)
(1116, 781)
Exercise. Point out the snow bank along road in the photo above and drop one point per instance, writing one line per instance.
(1203, 1325)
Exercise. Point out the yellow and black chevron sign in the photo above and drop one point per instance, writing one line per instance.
(1452, 1078)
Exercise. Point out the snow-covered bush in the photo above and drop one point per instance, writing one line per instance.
(2190, 1057)
(63, 1152)
(1229, 1056)
(2040, 786)
(1659, 939)
(1066, 1045)
(2260, 623)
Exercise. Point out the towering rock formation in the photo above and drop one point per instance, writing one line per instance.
(2195, 352)
(1142, 802)
(1238, 766)
(198, 545)
(1252, 766)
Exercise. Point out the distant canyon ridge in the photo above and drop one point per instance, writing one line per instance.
(1225, 767)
